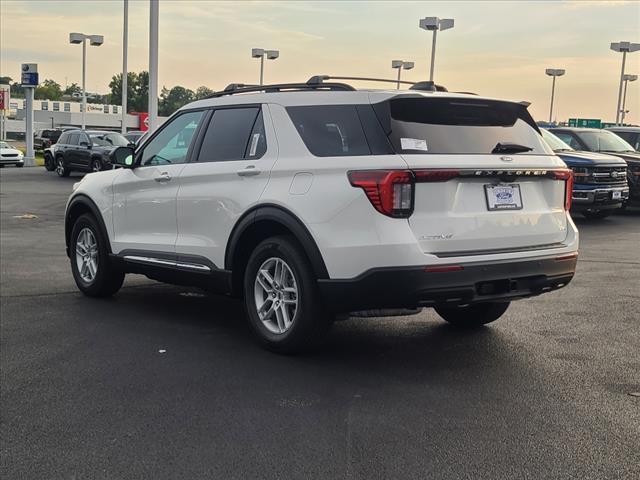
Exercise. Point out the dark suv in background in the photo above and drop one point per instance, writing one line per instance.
(629, 134)
(45, 138)
(83, 150)
(600, 180)
(604, 141)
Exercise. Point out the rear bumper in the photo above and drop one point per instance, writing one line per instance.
(409, 287)
(600, 197)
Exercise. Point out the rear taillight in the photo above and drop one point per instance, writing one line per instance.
(435, 175)
(389, 191)
(567, 176)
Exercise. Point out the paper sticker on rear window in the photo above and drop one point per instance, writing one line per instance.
(413, 144)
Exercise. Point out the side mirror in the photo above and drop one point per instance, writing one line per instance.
(122, 156)
(85, 144)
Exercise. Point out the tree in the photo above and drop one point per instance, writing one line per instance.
(138, 91)
(48, 90)
(71, 89)
(203, 92)
(172, 100)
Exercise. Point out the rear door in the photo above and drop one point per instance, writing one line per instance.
(83, 152)
(228, 174)
(484, 177)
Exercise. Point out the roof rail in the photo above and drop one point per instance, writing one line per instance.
(428, 86)
(235, 88)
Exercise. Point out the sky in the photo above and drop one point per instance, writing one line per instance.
(499, 48)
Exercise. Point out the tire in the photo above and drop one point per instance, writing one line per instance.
(49, 164)
(597, 215)
(473, 316)
(19, 165)
(61, 169)
(308, 321)
(106, 279)
(96, 165)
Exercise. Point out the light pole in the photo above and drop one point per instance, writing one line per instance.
(400, 65)
(153, 64)
(434, 24)
(124, 87)
(261, 53)
(624, 47)
(96, 41)
(627, 78)
(553, 72)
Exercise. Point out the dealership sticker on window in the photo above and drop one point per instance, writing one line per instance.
(254, 144)
(413, 144)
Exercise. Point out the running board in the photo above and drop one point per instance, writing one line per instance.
(163, 262)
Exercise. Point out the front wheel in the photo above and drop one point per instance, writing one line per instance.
(473, 316)
(96, 165)
(49, 164)
(281, 297)
(94, 274)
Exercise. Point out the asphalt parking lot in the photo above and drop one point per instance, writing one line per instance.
(165, 382)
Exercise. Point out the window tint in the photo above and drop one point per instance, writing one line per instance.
(230, 135)
(64, 138)
(74, 139)
(172, 143)
(458, 126)
(330, 130)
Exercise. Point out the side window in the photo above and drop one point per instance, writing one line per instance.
(330, 130)
(73, 139)
(171, 144)
(67, 107)
(64, 138)
(233, 134)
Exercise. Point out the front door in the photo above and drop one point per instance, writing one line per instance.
(144, 198)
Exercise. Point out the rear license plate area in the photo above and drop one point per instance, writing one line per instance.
(503, 197)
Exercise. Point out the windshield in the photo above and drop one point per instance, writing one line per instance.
(459, 126)
(109, 140)
(4, 145)
(554, 142)
(604, 141)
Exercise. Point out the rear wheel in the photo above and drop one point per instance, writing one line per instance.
(49, 164)
(61, 169)
(94, 274)
(281, 297)
(473, 316)
(596, 214)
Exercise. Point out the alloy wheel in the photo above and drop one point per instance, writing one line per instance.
(276, 295)
(87, 255)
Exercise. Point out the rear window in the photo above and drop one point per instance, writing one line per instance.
(458, 126)
(339, 130)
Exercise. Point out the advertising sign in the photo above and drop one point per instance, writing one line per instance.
(5, 97)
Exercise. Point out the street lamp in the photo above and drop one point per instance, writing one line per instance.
(261, 53)
(627, 78)
(624, 47)
(553, 72)
(434, 24)
(400, 65)
(96, 41)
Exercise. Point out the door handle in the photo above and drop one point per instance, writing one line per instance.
(250, 171)
(163, 177)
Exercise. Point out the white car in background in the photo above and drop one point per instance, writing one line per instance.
(315, 200)
(10, 155)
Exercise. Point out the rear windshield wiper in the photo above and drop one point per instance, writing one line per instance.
(510, 148)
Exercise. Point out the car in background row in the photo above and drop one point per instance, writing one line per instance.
(600, 180)
(134, 136)
(43, 139)
(629, 134)
(83, 150)
(604, 141)
(10, 155)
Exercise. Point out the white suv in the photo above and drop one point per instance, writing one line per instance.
(314, 200)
